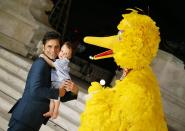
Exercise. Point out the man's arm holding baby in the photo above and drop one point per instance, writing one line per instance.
(68, 89)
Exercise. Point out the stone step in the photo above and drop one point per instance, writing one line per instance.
(14, 69)
(49, 127)
(69, 113)
(19, 84)
(11, 43)
(19, 87)
(6, 104)
(65, 111)
(19, 72)
(3, 124)
(65, 124)
(15, 59)
(13, 72)
(9, 91)
(19, 66)
(12, 80)
(79, 106)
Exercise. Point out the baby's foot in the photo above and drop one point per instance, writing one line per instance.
(48, 114)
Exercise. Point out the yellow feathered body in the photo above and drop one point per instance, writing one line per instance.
(132, 105)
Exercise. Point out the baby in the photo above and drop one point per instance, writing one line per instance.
(59, 74)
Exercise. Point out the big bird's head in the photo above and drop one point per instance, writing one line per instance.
(136, 43)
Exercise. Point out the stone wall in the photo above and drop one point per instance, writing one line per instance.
(171, 76)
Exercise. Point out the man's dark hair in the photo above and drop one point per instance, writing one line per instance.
(51, 35)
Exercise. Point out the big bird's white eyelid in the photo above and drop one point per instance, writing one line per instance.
(119, 34)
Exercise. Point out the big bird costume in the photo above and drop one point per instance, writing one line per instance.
(134, 103)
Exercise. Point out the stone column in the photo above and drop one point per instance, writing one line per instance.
(20, 32)
(16, 25)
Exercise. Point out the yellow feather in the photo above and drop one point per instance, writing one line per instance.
(133, 104)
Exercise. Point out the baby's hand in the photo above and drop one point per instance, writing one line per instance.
(41, 55)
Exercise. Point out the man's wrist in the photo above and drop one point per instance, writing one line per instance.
(62, 92)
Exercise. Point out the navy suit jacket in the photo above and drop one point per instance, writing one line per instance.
(36, 97)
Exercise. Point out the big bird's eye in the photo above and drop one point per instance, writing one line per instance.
(120, 35)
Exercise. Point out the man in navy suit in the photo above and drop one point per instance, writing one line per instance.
(28, 114)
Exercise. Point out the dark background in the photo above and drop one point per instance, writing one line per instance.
(101, 17)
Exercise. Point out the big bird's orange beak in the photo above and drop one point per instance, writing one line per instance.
(106, 54)
(105, 42)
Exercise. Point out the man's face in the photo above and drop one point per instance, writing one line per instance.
(51, 48)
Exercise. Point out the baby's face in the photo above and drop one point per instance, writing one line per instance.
(65, 52)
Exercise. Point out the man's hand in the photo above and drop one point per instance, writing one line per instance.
(62, 90)
(70, 86)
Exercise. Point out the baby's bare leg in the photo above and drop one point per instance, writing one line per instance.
(56, 109)
(51, 109)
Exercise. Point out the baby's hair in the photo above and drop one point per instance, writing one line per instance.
(69, 46)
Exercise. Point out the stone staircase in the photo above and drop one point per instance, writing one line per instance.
(13, 73)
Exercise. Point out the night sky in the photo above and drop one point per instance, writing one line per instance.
(101, 17)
